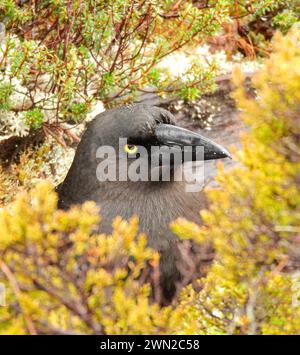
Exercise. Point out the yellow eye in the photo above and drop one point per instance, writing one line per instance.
(130, 148)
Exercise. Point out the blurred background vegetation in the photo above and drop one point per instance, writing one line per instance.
(61, 62)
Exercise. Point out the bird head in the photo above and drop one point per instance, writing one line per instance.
(141, 136)
(150, 135)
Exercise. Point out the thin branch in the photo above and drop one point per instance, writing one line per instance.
(14, 284)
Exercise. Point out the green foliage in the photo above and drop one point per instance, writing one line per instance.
(64, 57)
(256, 23)
(285, 20)
(5, 93)
(254, 217)
(253, 7)
(34, 118)
(96, 50)
(288, 16)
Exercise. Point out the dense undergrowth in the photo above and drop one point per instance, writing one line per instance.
(61, 277)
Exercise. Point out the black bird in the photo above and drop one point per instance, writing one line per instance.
(156, 203)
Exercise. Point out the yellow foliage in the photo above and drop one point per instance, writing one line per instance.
(254, 217)
(62, 277)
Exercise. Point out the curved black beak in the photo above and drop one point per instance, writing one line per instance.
(171, 135)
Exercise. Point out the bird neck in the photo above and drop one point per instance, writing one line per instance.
(156, 204)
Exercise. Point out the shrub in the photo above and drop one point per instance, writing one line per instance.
(61, 57)
(62, 277)
(254, 217)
